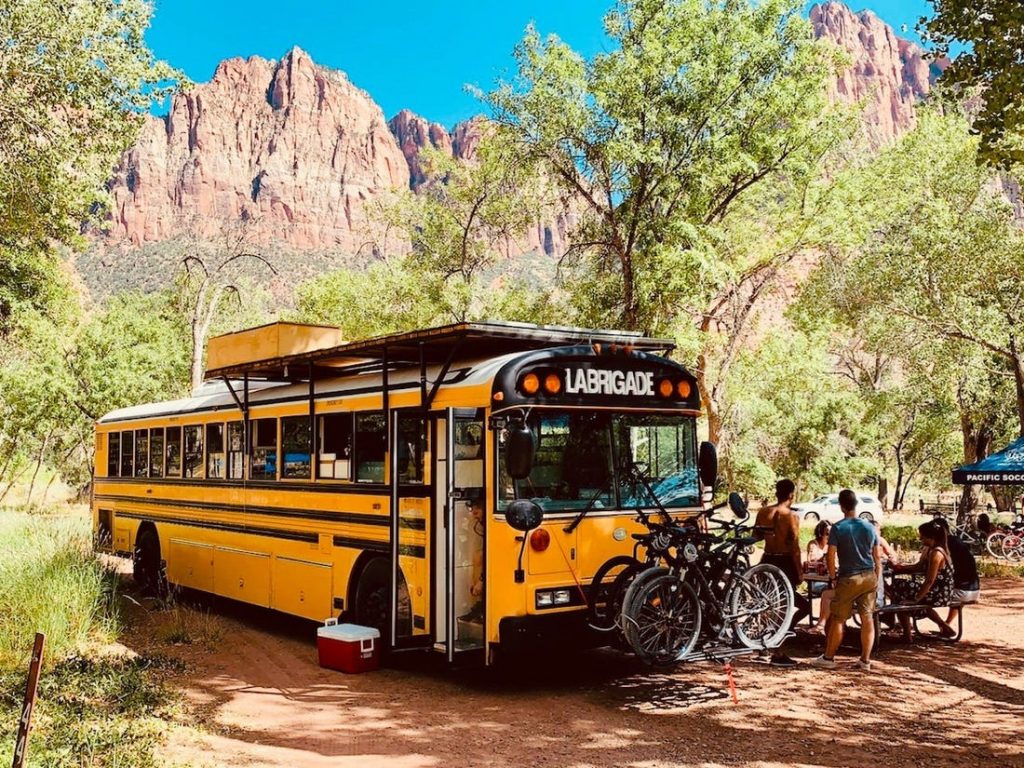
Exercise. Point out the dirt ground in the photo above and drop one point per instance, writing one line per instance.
(256, 697)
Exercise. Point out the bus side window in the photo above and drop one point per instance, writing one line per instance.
(142, 453)
(296, 445)
(113, 453)
(236, 452)
(412, 449)
(156, 452)
(264, 449)
(194, 451)
(174, 451)
(335, 446)
(370, 447)
(127, 454)
(215, 451)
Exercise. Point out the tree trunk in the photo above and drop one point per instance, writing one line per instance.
(39, 464)
(977, 441)
(1018, 379)
(197, 357)
(883, 492)
(897, 499)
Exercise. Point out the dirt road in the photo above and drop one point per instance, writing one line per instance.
(258, 698)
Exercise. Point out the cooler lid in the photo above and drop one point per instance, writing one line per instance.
(348, 632)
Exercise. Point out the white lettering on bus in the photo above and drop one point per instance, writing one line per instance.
(593, 381)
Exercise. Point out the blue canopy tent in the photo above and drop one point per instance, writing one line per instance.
(1003, 468)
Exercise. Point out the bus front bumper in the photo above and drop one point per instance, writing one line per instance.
(521, 634)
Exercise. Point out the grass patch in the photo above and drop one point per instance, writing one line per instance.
(93, 711)
(52, 582)
(903, 536)
(97, 705)
(993, 569)
(185, 625)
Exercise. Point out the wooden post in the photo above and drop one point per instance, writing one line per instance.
(21, 745)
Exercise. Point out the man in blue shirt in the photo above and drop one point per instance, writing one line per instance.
(854, 568)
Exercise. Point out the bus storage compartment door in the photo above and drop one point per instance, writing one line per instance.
(242, 575)
(191, 564)
(301, 588)
(549, 549)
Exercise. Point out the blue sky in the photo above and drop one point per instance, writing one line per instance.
(416, 55)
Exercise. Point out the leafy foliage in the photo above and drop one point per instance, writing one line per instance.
(694, 106)
(77, 79)
(991, 66)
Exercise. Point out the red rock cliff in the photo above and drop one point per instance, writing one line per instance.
(291, 145)
(889, 74)
(299, 150)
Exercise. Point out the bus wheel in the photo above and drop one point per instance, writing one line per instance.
(372, 598)
(146, 568)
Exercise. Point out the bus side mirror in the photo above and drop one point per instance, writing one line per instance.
(524, 515)
(519, 450)
(737, 506)
(707, 464)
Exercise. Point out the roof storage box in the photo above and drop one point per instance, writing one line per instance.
(267, 343)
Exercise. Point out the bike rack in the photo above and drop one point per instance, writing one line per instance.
(720, 653)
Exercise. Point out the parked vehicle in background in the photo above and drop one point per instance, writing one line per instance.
(827, 508)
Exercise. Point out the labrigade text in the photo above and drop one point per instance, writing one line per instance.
(591, 381)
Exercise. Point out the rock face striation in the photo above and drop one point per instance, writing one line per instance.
(302, 154)
(887, 73)
(293, 147)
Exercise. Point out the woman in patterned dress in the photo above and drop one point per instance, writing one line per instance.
(931, 582)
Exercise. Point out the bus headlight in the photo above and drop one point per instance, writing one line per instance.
(552, 598)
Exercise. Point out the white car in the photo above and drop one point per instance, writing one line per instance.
(827, 508)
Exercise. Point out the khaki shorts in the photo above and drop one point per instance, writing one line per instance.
(854, 593)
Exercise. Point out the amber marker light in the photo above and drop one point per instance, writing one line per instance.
(529, 384)
(683, 389)
(552, 383)
(499, 396)
(539, 540)
(665, 388)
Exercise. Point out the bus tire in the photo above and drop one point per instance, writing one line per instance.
(147, 570)
(370, 604)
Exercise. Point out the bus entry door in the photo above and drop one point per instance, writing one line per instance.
(459, 541)
(410, 530)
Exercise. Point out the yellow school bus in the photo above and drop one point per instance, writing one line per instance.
(371, 479)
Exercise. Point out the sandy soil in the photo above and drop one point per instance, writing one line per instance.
(257, 698)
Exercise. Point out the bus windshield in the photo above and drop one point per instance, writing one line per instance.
(581, 457)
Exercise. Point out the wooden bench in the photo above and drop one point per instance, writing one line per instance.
(915, 610)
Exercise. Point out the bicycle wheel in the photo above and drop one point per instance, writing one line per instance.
(664, 622)
(606, 591)
(761, 606)
(994, 544)
(633, 588)
(1013, 547)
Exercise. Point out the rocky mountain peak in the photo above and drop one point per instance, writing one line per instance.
(887, 73)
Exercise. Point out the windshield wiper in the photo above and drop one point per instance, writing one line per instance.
(590, 505)
(638, 475)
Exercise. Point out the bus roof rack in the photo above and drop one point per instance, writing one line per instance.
(440, 345)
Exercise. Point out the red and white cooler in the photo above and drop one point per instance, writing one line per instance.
(348, 648)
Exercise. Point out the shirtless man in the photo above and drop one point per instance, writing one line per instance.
(782, 549)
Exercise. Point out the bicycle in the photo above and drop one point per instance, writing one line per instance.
(704, 591)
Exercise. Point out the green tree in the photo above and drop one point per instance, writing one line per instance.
(77, 79)
(468, 218)
(696, 105)
(693, 148)
(57, 379)
(991, 65)
(789, 413)
(928, 277)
